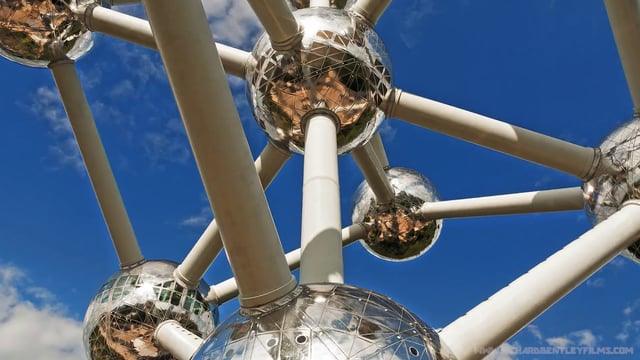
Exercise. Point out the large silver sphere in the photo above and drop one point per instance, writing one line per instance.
(340, 66)
(396, 231)
(323, 321)
(36, 32)
(123, 315)
(606, 193)
(336, 4)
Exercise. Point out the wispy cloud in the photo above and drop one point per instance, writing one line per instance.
(583, 337)
(630, 331)
(30, 331)
(414, 12)
(199, 220)
(506, 351)
(233, 22)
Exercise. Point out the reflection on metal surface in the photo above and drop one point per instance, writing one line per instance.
(396, 231)
(36, 32)
(123, 315)
(605, 194)
(336, 4)
(341, 66)
(324, 321)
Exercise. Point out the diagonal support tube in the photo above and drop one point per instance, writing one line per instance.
(321, 246)
(582, 162)
(278, 21)
(96, 162)
(209, 245)
(494, 321)
(367, 160)
(624, 16)
(228, 289)
(521, 203)
(138, 31)
(371, 10)
(221, 150)
(378, 147)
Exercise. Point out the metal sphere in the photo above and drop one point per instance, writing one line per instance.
(336, 4)
(123, 315)
(605, 194)
(340, 66)
(396, 231)
(323, 321)
(36, 32)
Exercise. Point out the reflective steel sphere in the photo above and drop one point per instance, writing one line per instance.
(605, 194)
(123, 315)
(36, 32)
(323, 321)
(396, 231)
(340, 66)
(336, 4)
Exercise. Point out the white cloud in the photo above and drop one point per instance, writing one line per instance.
(560, 342)
(200, 220)
(631, 325)
(30, 331)
(233, 22)
(415, 11)
(597, 282)
(505, 351)
(583, 337)
(535, 331)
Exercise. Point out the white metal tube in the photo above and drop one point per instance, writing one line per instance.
(520, 203)
(96, 162)
(367, 160)
(319, 3)
(178, 341)
(228, 289)
(138, 31)
(494, 321)
(371, 10)
(580, 161)
(624, 16)
(279, 22)
(321, 247)
(378, 147)
(209, 245)
(221, 150)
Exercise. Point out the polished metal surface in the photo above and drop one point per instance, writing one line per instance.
(122, 317)
(336, 4)
(36, 32)
(396, 231)
(341, 66)
(605, 194)
(322, 322)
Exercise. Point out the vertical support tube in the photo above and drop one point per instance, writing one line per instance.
(494, 321)
(178, 341)
(624, 16)
(319, 3)
(279, 22)
(209, 245)
(374, 173)
(221, 150)
(321, 245)
(96, 162)
(371, 10)
(228, 289)
(378, 147)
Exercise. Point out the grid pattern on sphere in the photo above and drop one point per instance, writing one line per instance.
(29, 29)
(325, 322)
(123, 316)
(610, 191)
(346, 71)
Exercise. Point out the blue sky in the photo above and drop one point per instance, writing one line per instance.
(549, 66)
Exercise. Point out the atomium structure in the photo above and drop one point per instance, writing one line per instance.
(319, 83)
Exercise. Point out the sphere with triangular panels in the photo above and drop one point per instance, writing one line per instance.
(340, 66)
(323, 322)
(396, 230)
(605, 193)
(37, 32)
(122, 317)
(336, 4)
